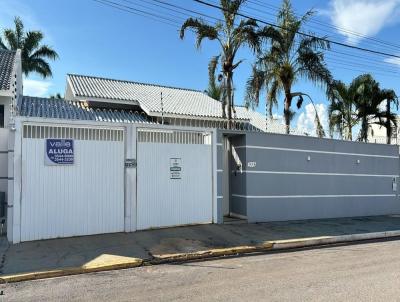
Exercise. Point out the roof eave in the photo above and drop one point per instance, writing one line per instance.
(191, 117)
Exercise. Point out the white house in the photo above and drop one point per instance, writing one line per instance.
(377, 134)
(106, 123)
(120, 156)
(10, 89)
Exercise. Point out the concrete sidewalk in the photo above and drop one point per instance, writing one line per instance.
(75, 252)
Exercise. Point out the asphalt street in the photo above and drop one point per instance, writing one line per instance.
(361, 272)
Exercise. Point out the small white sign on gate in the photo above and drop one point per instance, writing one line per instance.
(175, 168)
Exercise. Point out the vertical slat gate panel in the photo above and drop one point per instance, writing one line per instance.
(71, 200)
(162, 201)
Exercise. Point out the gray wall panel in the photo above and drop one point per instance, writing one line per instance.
(220, 153)
(239, 205)
(275, 209)
(280, 160)
(282, 185)
(316, 208)
(238, 183)
(304, 142)
(219, 183)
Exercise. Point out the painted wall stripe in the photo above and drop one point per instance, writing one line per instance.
(317, 173)
(312, 196)
(316, 151)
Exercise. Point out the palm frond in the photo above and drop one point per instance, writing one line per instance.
(33, 54)
(214, 90)
(39, 66)
(254, 85)
(45, 51)
(230, 8)
(2, 45)
(312, 66)
(32, 41)
(201, 29)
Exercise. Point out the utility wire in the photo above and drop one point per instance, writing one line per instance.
(302, 33)
(138, 12)
(167, 6)
(344, 30)
(180, 18)
(370, 66)
(211, 17)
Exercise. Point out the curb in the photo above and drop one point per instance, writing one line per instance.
(238, 250)
(70, 271)
(111, 264)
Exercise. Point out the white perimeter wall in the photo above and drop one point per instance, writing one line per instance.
(129, 179)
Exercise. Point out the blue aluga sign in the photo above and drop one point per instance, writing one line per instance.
(59, 152)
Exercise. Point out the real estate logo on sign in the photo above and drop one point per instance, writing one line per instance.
(175, 168)
(59, 152)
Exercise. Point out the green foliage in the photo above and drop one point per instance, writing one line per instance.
(214, 89)
(360, 102)
(56, 96)
(34, 55)
(287, 58)
(232, 34)
(342, 110)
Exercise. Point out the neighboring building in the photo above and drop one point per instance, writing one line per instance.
(160, 104)
(10, 89)
(377, 134)
(101, 99)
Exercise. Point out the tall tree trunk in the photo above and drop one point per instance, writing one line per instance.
(349, 128)
(223, 105)
(229, 97)
(350, 132)
(286, 111)
(388, 125)
(364, 129)
(224, 97)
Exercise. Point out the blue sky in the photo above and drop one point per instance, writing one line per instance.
(94, 39)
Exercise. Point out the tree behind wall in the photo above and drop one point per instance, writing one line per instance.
(342, 109)
(34, 55)
(232, 34)
(214, 89)
(287, 58)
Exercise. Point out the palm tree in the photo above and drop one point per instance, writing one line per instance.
(389, 117)
(342, 109)
(289, 57)
(231, 36)
(56, 96)
(214, 89)
(33, 54)
(368, 104)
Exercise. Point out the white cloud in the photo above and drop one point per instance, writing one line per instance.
(365, 17)
(306, 120)
(36, 88)
(394, 61)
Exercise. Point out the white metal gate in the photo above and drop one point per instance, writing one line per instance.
(174, 178)
(84, 198)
